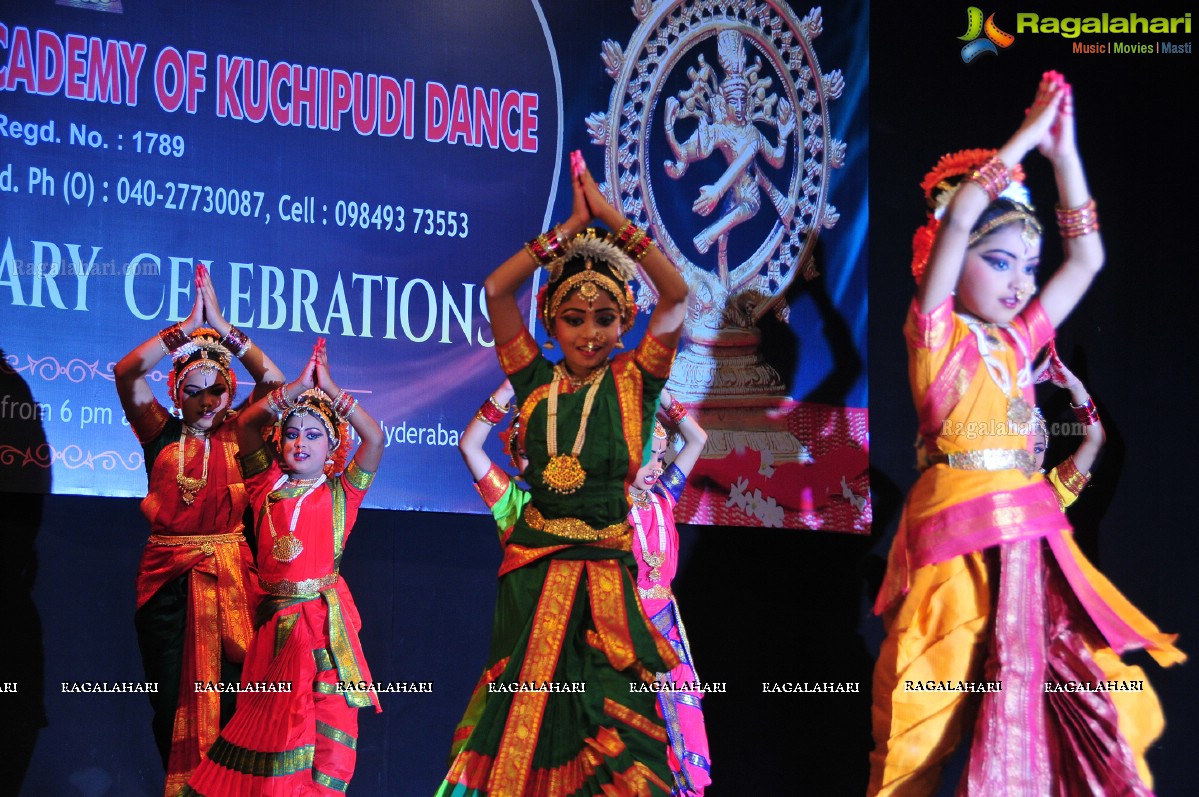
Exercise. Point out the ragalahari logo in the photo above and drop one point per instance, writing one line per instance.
(991, 36)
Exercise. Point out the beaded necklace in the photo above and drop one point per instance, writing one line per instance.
(564, 473)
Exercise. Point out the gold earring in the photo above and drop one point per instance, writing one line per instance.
(620, 342)
(549, 344)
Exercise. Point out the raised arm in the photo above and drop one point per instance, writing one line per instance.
(666, 322)
(470, 444)
(130, 372)
(588, 204)
(948, 253)
(370, 435)
(254, 418)
(1077, 219)
(694, 437)
(262, 369)
(502, 284)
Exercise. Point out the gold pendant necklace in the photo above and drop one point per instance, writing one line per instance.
(288, 547)
(190, 486)
(564, 473)
(654, 560)
(1019, 412)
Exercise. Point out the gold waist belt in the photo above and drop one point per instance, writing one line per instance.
(295, 589)
(656, 592)
(207, 543)
(987, 459)
(571, 527)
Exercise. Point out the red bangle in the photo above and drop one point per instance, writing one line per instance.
(1086, 413)
(173, 337)
(992, 177)
(1079, 221)
(676, 412)
(547, 247)
(277, 401)
(236, 342)
(491, 412)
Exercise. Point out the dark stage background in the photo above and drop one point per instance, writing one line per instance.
(760, 605)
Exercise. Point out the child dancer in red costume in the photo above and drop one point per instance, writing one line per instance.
(295, 729)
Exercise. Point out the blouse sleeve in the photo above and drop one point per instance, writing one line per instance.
(1037, 328)
(654, 361)
(259, 471)
(150, 423)
(522, 361)
(932, 338)
(356, 482)
(506, 511)
(673, 480)
(930, 331)
(155, 434)
(1067, 481)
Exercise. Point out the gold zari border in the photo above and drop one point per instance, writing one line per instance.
(654, 356)
(204, 542)
(517, 353)
(571, 527)
(255, 462)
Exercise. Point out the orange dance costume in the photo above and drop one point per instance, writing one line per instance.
(985, 586)
(195, 587)
(295, 729)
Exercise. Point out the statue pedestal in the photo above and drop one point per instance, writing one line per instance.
(742, 398)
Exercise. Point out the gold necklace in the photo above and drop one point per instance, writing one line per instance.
(655, 560)
(288, 547)
(562, 372)
(1019, 411)
(564, 473)
(190, 486)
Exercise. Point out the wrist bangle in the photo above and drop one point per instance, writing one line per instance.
(1079, 221)
(491, 412)
(992, 177)
(173, 337)
(236, 342)
(676, 412)
(547, 247)
(345, 404)
(1086, 413)
(277, 401)
(633, 240)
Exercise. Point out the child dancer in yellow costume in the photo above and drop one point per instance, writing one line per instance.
(984, 582)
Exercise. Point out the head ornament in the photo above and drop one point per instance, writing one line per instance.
(939, 187)
(315, 403)
(204, 351)
(590, 262)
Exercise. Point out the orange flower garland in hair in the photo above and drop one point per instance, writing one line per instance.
(938, 185)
